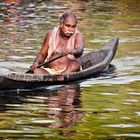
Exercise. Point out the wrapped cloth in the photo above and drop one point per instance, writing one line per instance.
(54, 40)
(54, 71)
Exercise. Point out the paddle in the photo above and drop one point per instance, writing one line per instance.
(47, 62)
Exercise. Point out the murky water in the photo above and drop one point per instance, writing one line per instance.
(105, 107)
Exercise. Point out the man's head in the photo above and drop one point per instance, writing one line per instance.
(68, 22)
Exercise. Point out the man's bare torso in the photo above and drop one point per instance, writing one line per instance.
(62, 62)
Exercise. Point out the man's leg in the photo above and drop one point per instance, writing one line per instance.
(73, 66)
(40, 71)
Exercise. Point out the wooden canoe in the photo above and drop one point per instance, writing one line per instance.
(92, 63)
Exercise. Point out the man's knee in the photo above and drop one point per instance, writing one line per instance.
(75, 66)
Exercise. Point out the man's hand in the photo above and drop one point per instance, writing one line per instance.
(68, 51)
(33, 66)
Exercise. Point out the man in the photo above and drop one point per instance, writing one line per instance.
(65, 39)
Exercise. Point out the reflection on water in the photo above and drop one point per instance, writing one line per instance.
(36, 113)
(102, 107)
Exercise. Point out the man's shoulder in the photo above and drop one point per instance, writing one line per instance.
(49, 33)
(79, 35)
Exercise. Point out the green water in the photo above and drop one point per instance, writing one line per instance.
(104, 107)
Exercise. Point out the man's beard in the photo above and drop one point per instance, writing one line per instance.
(68, 34)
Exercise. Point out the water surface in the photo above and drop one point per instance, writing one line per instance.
(103, 107)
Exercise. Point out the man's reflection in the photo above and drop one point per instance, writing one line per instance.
(63, 106)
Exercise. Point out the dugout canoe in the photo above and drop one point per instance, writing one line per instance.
(92, 63)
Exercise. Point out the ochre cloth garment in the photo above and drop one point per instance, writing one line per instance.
(54, 40)
(54, 71)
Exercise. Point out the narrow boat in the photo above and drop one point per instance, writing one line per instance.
(92, 63)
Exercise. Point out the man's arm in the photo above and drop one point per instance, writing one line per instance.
(79, 45)
(41, 56)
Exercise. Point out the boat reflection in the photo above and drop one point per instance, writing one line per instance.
(53, 108)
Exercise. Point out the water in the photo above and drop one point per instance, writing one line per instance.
(104, 107)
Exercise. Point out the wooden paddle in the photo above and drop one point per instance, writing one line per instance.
(47, 62)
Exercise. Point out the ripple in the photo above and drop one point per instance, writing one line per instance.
(111, 109)
(110, 81)
(33, 100)
(125, 118)
(131, 100)
(99, 41)
(11, 131)
(138, 113)
(128, 135)
(56, 109)
(126, 40)
(109, 94)
(31, 136)
(122, 125)
(13, 105)
(13, 65)
(43, 121)
(132, 93)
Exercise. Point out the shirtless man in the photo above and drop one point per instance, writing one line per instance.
(65, 39)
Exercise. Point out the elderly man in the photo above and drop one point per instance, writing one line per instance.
(64, 39)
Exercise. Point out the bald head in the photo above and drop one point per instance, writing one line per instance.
(68, 15)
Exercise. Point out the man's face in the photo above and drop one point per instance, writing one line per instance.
(68, 26)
